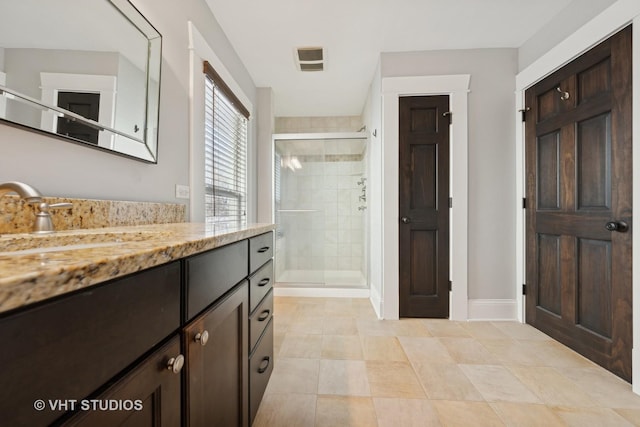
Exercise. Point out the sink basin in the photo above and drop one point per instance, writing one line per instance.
(25, 244)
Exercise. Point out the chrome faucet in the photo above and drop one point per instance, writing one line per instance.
(43, 223)
(27, 192)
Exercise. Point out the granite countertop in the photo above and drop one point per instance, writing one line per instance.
(96, 255)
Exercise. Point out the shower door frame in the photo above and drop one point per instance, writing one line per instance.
(308, 291)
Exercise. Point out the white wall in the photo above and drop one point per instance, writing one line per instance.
(572, 17)
(491, 232)
(372, 118)
(60, 168)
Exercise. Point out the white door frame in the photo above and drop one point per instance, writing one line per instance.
(612, 19)
(457, 87)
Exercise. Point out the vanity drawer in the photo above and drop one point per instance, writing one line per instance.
(259, 320)
(68, 348)
(260, 250)
(260, 368)
(211, 274)
(260, 284)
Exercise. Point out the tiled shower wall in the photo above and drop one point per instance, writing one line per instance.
(318, 124)
(329, 232)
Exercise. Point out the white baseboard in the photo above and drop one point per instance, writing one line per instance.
(635, 374)
(281, 291)
(376, 301)
(493, 309)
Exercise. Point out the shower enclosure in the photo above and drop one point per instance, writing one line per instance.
(320, 210)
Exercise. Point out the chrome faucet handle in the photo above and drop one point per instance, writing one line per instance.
(43, 223)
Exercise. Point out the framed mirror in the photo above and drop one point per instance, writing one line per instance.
(84, 70)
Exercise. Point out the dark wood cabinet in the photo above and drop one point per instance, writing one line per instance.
(68, 348)
(260, 320)
(150, 395)
(112, 354)
(216, 356)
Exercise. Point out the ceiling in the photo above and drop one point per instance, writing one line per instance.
(265, 35)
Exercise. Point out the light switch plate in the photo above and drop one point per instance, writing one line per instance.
(182, 191)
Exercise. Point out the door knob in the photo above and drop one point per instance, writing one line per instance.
(619, 226)
(405, 220)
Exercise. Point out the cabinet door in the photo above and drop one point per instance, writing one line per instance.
(148, 396)
(215, 345)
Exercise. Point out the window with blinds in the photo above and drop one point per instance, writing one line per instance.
(225, 156)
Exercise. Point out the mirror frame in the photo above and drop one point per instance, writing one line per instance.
(149, 141)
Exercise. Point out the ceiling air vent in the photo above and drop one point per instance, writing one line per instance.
(310, 58)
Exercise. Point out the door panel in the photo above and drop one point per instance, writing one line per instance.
(578, 161)
(424, 208)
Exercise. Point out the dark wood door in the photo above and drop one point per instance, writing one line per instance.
(150, 395)
(424, 206)
(578, 244)
(86, 105)
(216, 350)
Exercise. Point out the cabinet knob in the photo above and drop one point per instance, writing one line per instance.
(264, 365)
(175, 364)
(202, 338)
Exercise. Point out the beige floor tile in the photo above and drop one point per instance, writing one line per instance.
(521, 331)
(374, 327)
(465, 414)
(364, 312)
(590, 417)
(446, 382)
(294, 376)
(311, 307)
(409, 328)
(445, 328)
(484, 330)
(382, 348)
(285, 308)
(281, 322)
(306, 325)
(511, 352)
(393, 379)
(343, 377)
(498, 384)
(631, 415)
(301, 345)
(604, 387)
(526, 415)
(339, 307)
(554, 354)
(334, 411)
(420, 349)
(342, 347)
(339, 326)
(552, 387)
(394, 412)
(291, 410)
(468, 351)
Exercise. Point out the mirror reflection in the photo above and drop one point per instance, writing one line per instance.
(87, 70)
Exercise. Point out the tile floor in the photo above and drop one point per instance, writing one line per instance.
(337, 365)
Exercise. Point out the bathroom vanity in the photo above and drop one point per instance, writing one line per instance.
(169, 325)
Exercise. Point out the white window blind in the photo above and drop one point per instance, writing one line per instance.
(225, 158)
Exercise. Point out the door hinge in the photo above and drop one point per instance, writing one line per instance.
(450, 285)
(448, 114)
(524, 203)
(450, 202)
(524, 289)
(524, 113)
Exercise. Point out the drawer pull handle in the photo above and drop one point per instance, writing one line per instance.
(264, 281)
(263, 249)
(264, 315)
(264, 365)
(202, 338)
(175, 364)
